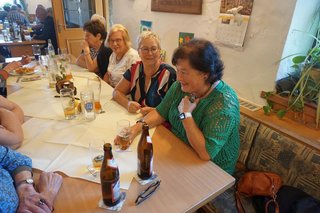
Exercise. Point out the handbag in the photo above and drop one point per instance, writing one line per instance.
(255, 183)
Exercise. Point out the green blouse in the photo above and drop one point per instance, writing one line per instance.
(217, 116)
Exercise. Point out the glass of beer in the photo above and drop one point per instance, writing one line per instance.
(68, 103)
(123, 129)
(96, 155)
(94, 84)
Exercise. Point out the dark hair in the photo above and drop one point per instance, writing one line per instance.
(203, 56)
(94, 27)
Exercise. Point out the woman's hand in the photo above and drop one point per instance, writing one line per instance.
(186, 106)
(31, 201)
(85, 47)
(133, 106)
(146, 110)
(25, 60)
(134, 131)
(49, 185)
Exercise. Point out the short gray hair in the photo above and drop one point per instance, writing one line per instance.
(99, 18)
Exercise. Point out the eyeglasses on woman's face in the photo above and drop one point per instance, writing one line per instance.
(146, 50)
(118, 40)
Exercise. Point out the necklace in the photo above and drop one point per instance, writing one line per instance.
(193, 97)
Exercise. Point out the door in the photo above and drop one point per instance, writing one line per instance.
(70, 16)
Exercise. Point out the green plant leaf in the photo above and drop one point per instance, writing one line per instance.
(267, 110)
(281, 113)
(298, 59)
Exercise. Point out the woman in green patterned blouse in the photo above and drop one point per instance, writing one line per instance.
(201, 108)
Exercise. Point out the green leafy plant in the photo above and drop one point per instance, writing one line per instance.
(307, 88)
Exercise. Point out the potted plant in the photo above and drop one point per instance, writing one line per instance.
(306, 85)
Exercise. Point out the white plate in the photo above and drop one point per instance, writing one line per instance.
(14, 73)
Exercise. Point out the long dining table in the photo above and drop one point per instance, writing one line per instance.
(19, 48)
(54, 144)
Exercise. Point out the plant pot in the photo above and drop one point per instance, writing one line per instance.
(307, 117)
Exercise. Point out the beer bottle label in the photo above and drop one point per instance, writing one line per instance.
(149, 139)
(112, 163)
(115, 191)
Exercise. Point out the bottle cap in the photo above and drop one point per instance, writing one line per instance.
(107, 146)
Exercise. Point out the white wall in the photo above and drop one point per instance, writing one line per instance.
(249, 70)
(298, 42)
(32, 5)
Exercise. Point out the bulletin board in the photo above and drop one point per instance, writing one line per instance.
(177, 6)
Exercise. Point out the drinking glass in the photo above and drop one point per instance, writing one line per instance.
(123, 131)
(36, 51)
(94, 84)
(87, 105)
(96, 154)
(68, 103)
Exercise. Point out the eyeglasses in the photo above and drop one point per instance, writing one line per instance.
(118, 40)
(148, 192)
(146, 50)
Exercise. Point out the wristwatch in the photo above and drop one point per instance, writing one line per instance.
(26, 181)
(185, 115)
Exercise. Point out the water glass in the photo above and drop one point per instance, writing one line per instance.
(123, 131)
(68, 103)
(87, 105)
(36, 51)
(94, 84)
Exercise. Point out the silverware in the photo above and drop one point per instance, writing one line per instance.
(93, 172)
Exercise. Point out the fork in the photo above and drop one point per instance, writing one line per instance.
(93, 172)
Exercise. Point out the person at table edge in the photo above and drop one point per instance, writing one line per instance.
(202, 109)
(17, 192)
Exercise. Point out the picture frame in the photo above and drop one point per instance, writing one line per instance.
(177, 6)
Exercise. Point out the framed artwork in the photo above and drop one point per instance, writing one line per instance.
(177, 6)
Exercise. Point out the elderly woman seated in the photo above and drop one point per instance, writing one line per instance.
(201, 108)
(148, 80)
(94, 35)
(122, 57)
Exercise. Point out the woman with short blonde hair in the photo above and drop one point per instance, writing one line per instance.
(148, 80)
(122, 57)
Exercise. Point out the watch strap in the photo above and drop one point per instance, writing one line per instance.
(26, 181)
(185, 115)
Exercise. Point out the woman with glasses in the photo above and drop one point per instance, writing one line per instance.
(148, 80)
(122, 57)
(202, 109)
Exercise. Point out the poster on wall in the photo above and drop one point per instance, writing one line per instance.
(233, 21)
(145, 26)
(177, 6)
(185, 37)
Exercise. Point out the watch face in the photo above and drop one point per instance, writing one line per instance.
(30, 181)
(182, 116)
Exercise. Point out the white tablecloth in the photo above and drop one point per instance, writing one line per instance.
(55, 144)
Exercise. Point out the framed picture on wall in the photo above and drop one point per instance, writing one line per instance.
(177, 6)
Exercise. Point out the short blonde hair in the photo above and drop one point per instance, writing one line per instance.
(125, 34)
(148, 34)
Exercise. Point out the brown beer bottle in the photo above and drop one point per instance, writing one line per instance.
(145, 154)
(109, 176)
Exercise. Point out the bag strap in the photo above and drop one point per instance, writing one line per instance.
(275, 203)
(239, 204)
